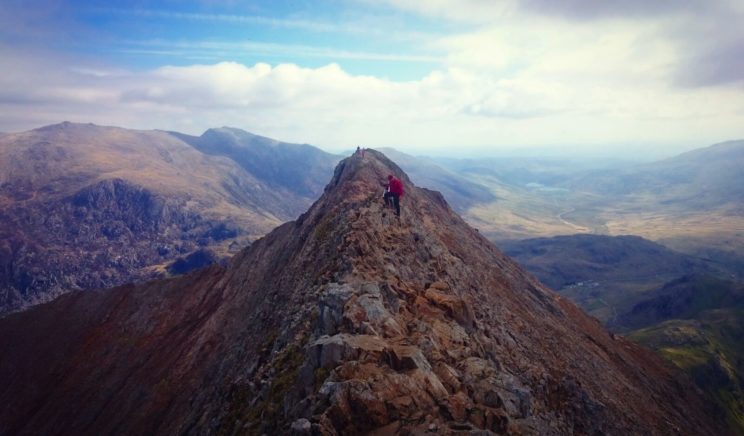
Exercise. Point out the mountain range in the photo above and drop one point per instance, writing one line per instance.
(346, 321)
(86, 206)
(125, 205)
(691, 203)
(700, 179)
(300, 169)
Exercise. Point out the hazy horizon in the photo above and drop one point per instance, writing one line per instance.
(633, 153)
(469, 78)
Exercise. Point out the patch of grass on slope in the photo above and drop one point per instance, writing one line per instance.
(711, 350)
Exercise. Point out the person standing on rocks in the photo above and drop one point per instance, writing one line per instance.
(393, 193)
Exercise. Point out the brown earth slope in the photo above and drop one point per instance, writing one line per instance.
(345, 321)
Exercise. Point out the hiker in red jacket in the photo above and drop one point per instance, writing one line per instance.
(393, 193)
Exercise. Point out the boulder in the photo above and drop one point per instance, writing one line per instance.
(454, 307)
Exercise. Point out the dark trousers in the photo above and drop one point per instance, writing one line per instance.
(392, 199)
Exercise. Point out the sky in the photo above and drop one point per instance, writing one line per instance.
(631, 78)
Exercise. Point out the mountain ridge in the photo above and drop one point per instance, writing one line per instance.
(88, 206)
(274, 162)
(346, 320)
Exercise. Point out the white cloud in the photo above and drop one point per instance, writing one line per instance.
(515, 78)
(490, 11)
(447, 110)
(682, 42)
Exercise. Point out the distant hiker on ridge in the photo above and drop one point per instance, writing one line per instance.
(393, 193)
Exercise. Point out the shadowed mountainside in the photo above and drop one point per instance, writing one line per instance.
(565, 260)
(298, 168)
(684, 298)
(85, 206)
(345, 321)
(605, 275)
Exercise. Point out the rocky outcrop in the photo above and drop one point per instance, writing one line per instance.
(346, 321)
(101, 236)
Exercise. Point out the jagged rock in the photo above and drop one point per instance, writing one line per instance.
(403, 357)
(351, 318)
(301, 427)
(440, 286)
(448, 376)
(331, 306)
(455, 307)
(333, 349)
(457, 406)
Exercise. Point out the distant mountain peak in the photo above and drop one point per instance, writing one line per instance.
(58, 126)
(71, 125)
(232, 130)
(115, 240)
(236, 134)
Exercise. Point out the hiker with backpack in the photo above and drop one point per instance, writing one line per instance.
(393, 193)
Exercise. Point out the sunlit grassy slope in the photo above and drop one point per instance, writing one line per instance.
(521, 212)
(711, 350)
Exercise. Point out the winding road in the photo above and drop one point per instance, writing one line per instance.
(570, 224)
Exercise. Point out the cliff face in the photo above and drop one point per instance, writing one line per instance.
(105, 234)
(86, 206)
(345, 321)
